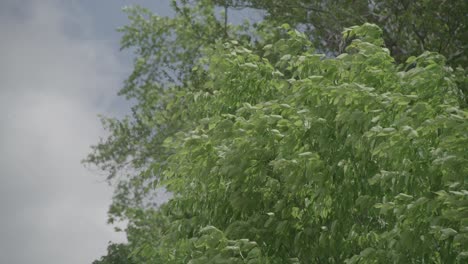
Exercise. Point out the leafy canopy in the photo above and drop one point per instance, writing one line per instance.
(277, 154)
(409, 27)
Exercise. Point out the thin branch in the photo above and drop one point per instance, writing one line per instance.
(308, 8)
(420, 37)
(226, 7)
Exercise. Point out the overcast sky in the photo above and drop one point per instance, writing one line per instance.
(60, 67)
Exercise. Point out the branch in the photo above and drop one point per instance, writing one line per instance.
(282, 6)
(420, 37)
(225, 18)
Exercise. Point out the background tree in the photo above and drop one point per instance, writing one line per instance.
(116, 254)
(409, 27)
(276, 154)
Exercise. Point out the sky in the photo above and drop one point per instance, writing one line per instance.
(60, 67)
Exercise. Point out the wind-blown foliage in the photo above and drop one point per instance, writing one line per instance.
(291, 157)
(277, 154)
(409, 27)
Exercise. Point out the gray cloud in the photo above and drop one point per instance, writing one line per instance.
(52, 86)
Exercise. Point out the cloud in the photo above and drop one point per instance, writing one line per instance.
(54, 80)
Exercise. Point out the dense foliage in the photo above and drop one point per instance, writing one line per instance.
(409, 27)
(116, 254)
(277, 154)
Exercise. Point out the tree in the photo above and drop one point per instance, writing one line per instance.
(116, 254)
(409, 27)
(277, 154)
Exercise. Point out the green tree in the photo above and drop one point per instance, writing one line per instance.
(409, 27)
(117, 254)
(277, 154)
